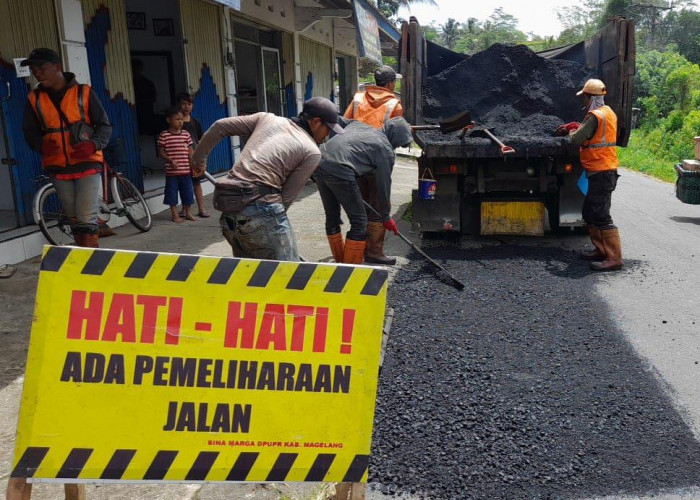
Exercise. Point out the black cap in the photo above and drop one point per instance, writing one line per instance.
(37, 57)
(384, 74)
(320, 107)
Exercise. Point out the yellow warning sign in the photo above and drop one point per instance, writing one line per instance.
(163, 367)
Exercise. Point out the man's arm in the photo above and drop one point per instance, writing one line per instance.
(226, 127)
(296, 180)
(585, 131)
(349, 112)
(398, 111)
(32, 128)
(99, 121)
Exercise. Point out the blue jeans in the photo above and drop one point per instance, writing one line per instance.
(79, 198)
(181, 184)
(260, 231)
(336, 193)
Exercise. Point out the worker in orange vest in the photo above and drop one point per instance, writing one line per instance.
(375, 106)
(597, 138)
(65, 122)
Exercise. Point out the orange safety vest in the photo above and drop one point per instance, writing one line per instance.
(598, 153)
(366, 113)
(76, 108)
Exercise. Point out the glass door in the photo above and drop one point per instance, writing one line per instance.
(272, 82)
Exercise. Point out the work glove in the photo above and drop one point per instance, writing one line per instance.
(567, 128)
(50, 148)
(390, 225)
(83, 150)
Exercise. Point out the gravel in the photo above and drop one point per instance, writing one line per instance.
(510, 89)
(520, 387)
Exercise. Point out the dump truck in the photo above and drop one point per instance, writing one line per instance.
(467, 182)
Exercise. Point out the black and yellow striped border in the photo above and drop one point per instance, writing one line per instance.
(185, 265)
(205, 461)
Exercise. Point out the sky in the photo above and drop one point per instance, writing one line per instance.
(537, 17)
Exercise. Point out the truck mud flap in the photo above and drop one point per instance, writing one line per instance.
(440, 214)
(570, 202)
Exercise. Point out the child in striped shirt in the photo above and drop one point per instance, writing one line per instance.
(175, 146)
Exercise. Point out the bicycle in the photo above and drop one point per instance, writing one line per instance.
(126, 198)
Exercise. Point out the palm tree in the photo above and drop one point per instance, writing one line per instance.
(390, 7)
(449, 33)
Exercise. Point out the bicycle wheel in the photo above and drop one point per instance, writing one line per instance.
(48, 213)
(130, 203)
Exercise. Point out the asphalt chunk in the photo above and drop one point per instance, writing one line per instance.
(520, 387)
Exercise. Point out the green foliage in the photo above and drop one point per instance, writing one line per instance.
(637, 157)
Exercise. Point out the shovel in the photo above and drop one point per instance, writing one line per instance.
(454, 123)
(453, 281)
(505, 150)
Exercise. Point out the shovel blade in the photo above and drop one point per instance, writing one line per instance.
(455, 122)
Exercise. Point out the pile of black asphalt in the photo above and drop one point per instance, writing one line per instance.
(509, 89)
(520, 387)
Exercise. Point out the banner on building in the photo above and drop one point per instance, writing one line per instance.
(234, 4)
(163, 367)
(367, 33)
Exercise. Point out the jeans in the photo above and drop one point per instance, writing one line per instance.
(260, 231)
(596, 206)
(79, 198)
(181, 184)
(336, 193)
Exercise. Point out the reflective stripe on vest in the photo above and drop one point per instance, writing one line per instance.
(375, 117)
(598, 153)
(73, 104)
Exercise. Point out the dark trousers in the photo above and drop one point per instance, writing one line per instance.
(596, 206)
(368, 188)
(336, 193)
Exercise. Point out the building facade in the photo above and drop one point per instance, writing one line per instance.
(234, 56)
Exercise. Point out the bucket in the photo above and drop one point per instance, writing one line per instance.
(697, 148)
(427, 186)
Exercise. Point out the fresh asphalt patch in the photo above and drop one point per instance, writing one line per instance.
(519, 387)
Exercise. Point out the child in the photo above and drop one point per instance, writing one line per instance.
(175, 147)
(186, 104)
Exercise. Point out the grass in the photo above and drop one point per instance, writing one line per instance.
(636, 156)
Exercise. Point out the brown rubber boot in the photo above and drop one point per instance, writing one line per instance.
(336, 243)
(596, 238)
(613, 251)
(90, 241)
(374, 253)
(104, 231)
(354, 252)
(79, 240)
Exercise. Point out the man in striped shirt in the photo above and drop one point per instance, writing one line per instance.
(175, 146)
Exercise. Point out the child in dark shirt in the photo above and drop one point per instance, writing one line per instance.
(185, 102)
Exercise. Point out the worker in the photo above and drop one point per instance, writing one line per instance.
(597, 137)
(65, 122)
(361, 150)
(280, 155)
(375, 106)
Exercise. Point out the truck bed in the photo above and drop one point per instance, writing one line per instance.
(437, 145)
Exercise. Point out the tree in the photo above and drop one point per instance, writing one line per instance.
(685, 33)
(449, 33)
(389, 8)
(579, 22)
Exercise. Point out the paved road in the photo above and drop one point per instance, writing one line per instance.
(654, 304)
